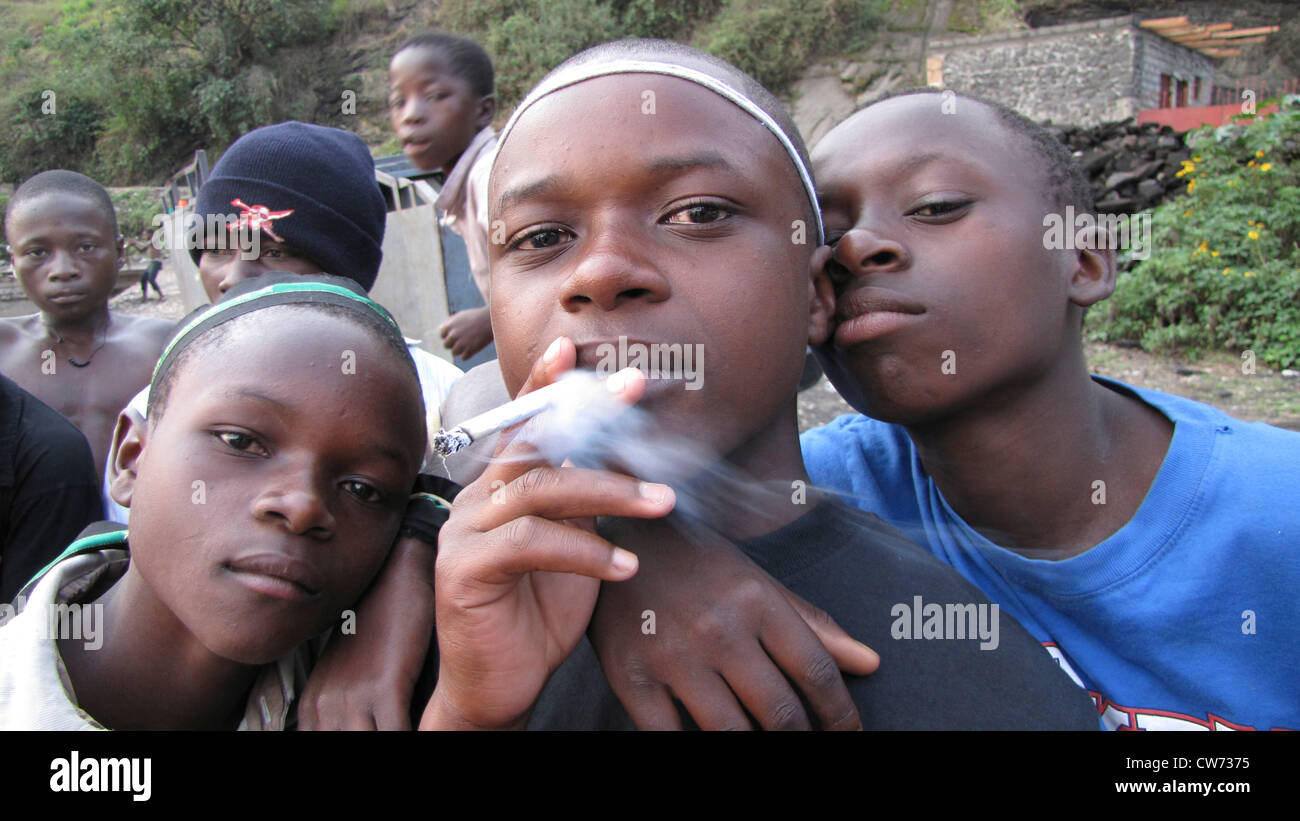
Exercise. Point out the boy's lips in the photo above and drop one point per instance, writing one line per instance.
(595, 356)
(415, 145)
(869, 312)
(277, 575)
(65, 297)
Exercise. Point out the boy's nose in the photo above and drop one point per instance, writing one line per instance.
(863, 251)
(610, 273)
(63, 266)
(238, 269)
(414, 111)
(298, 505)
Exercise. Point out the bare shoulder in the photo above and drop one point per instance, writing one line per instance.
(16, 337)
(145, 332)
(12, 327)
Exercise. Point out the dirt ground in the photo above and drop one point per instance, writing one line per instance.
(1216, 379)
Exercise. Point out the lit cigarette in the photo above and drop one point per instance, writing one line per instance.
(573, 388)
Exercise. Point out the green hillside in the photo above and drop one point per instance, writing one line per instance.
(126, 90)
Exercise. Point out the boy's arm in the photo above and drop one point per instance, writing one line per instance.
(364, 681)
(727, 639)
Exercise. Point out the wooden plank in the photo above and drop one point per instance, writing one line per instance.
(1221, 52)
(1228, 35)
(1163, 22)
(1189, 31)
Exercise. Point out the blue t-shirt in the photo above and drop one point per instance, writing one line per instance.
(1187, 618)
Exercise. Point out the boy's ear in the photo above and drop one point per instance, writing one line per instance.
(129, 438)
(487, 111)
(121, 252)
(1093, 276)
(821, 303)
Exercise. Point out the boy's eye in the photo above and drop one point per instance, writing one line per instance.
(362, 491)
(241, 442)
(701, 213)
(939, 209)
(541, 240)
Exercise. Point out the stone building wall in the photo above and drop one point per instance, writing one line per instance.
(1154, 55)
(1079, 73)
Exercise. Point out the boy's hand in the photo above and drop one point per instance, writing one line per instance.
(517, 579)
(467, 332)
(365, 681)
(728, 639)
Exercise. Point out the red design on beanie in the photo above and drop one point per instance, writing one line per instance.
(259, 217)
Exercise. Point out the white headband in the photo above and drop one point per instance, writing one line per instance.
(580, 72)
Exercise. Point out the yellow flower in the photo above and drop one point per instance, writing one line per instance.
(1196, 159)
(1248, 274)
(1253, 235)
(1259, 153)
(1203, 247)
(1266, 166)
(1187, 213)
(1249, 164)
(1232, 182)
(1214, 253)
(1227, 271)
(1250, 222)
(1191, 185)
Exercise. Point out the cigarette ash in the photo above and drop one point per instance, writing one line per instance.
(447, 442)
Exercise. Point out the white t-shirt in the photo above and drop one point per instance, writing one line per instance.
(36, 692)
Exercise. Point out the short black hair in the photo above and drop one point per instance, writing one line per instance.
(467, 58)
(64, 182)
(1066, 183)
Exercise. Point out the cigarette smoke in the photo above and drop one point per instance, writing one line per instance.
(596, 430)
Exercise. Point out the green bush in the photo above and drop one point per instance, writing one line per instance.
(532, 37)
(665, 19)
(168, 77)
(135, 208)
(1225, 266)
(774, 40)
(49, 130)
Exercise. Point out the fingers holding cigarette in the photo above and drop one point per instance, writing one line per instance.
(544, 390)
(519, 566)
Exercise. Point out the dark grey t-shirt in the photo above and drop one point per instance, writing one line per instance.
(867, 576)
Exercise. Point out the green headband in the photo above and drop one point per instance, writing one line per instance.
(281, 293)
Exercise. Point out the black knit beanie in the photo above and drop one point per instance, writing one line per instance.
(324, 178)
